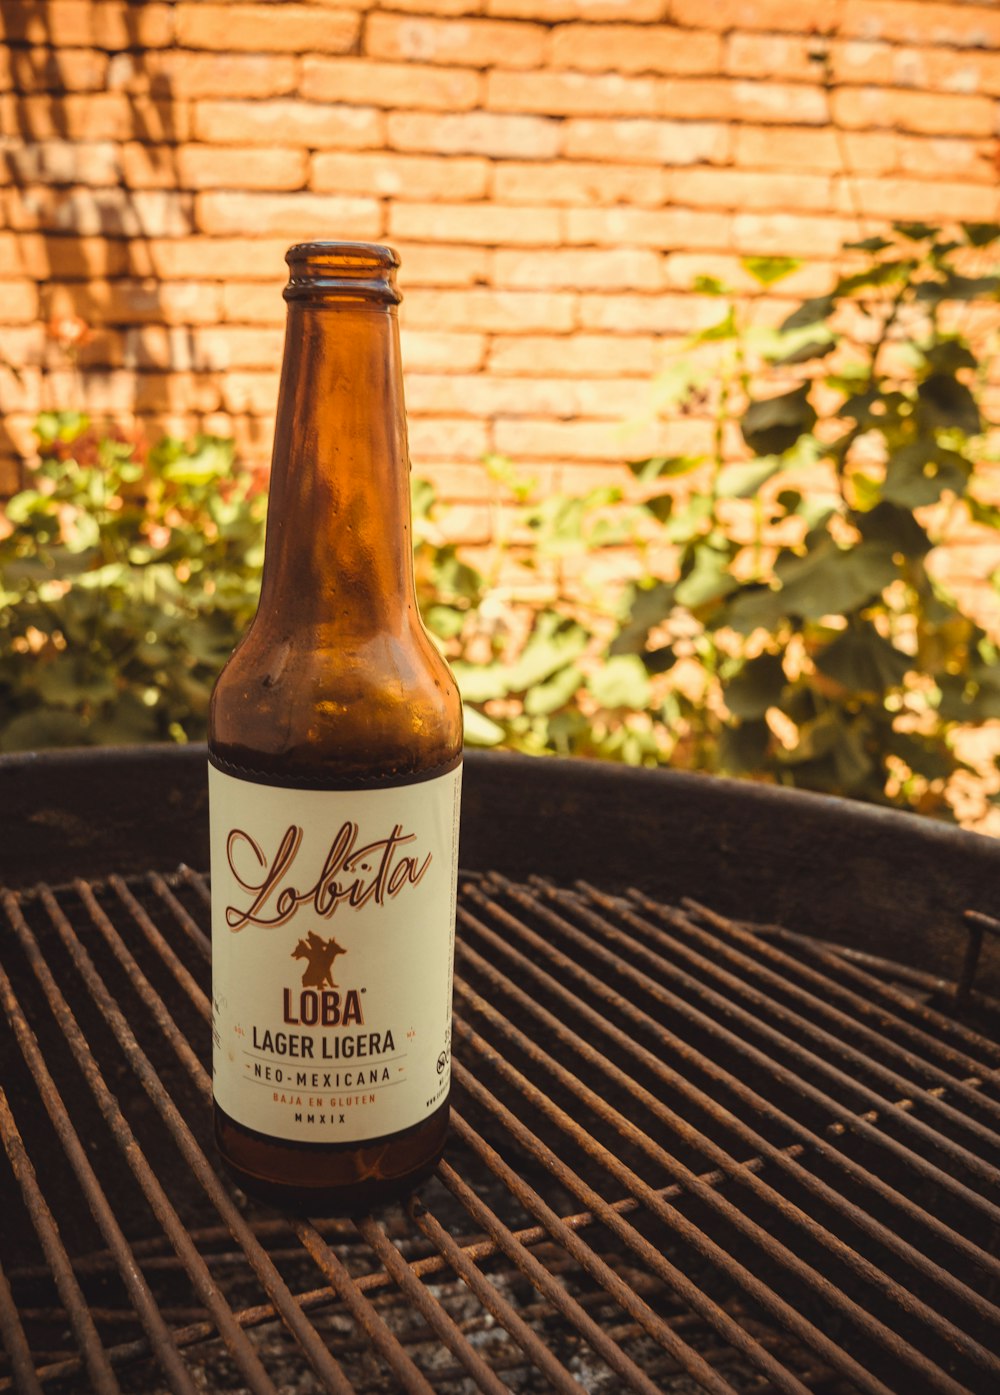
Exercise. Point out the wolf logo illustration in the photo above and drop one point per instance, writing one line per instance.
(319, 955)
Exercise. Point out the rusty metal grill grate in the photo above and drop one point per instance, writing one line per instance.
(687, 1154)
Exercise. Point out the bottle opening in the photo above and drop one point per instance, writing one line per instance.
(353, 269)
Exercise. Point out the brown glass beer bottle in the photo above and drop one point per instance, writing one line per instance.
(335, 746)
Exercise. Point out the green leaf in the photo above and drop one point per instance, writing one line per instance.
(661, 506)
(830, 580)
(924, 755)
(949, 355)
(726, 328)
(67, 680)
(743, 479)
(743, 747)
(481, 682)
(479, 729)
(758, 686)
(657, 466)
(649, 606)
(708, 579)
(444, 620)
(916, 232)
(774, 424)
(769, 270)
(621, 682)
(553, 643)
(981, 234)
(554, 693)
(811, 312)
(945, 403)
(659, 660)
(896, 527)
(34, 730)
(862, 661)
(919, 473)
(709, 285)
(867, 244)
(755, 608)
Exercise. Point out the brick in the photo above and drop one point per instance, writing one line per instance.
(420, 86)
(401, 176)
(796, 57)
(475, 133)
(632, 48)
(787, 148)
(787, 234)
(189, 74)
(208, 167)
(580, 183)
(177, 392)
(915, 22)
(427, 350)
(549, 11)
(440, 7)
(586, 440)
(475, 43)
(627, 268)
(444, 265)
(967, 71)
(530, 396)
(253, 392)
(298, 216)
(147, 166)
(647, 142)
(54, 70)
(784, 16)
(939, 157)
(108, 25)
(18, 302)
(96, 212)
(283, 122)
(447, 439)
(596, 355)
(253, 302)
(491, 224)
(908, 199)
(91, 116)
(734, 99)
(122, 302)
(489, 311)
(661, 228)
(222, 257)
(649, 314)
(202, 350)
(571, 94)
(281, 28)
(752, 189)
(60, 258)
(61, 162)
(923, 112)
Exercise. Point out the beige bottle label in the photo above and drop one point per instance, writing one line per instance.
(333, 934)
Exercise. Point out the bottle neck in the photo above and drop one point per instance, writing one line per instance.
(338, 553)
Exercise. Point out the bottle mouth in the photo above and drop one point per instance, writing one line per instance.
(363, 270)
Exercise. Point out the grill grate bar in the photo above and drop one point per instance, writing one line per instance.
(772, 1260)
(807, 1062)
(232, 1334)
(863, 1268)
(686, 1357)
(677, 1280)
(812, 1002)
(826, 986)
(958, 1154)
(765, 1296)
(81, 1319)
(120, 1254)
(435, 1315)
(362, 1310)
(495, 1303)
(845, 1121)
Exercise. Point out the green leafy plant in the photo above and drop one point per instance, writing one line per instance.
(126, 578)
(775, 613)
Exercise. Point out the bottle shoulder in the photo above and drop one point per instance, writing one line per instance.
(385, 703)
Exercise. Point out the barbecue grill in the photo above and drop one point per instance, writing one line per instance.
(727, 1105)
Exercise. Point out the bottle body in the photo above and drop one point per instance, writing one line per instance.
(335, 752)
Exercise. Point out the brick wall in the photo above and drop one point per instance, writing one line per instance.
(554, 173)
